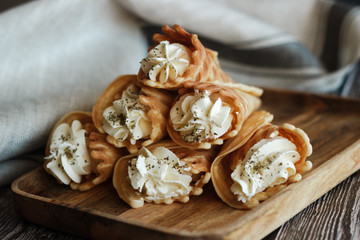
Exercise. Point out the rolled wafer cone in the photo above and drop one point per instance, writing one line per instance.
(156, 101)
(199, 162)
(102, 154)
(256, 128)
(242, 100)
(203, 62)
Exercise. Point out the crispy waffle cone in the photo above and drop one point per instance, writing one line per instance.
(103, 155)
(157, 100)
(242, 99)
(256, 127)
(198, 160)
(204, 64)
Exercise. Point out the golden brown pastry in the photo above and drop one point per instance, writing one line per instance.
(132, 116)
(261, 160)
(179, 57)
(78, 155)
(162, 173)
(206, 114)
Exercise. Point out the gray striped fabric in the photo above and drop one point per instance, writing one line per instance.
(309, 45)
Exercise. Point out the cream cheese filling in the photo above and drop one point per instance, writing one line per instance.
(165, 61)
(268, 163)
(127, 117)
(197, 118)
(159, 174)
(69, 156)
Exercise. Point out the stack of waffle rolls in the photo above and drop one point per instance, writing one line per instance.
(162, 134)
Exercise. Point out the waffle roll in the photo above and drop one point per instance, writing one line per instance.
(261, 160)
(132, 117)
(77, 154)
(179, 57)
(206, 114)
(162, 174)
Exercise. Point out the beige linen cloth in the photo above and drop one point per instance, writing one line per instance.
(59, 55)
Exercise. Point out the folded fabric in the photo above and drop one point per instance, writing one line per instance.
(308, 46)
(12, 168)
(56, 57)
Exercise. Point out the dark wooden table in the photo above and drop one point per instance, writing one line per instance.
(336, 215)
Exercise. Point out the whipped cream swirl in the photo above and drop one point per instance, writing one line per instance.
(69, 155)
(166, 61)
(268, 163)
(127, 117)
(159, 174)
(197, 118)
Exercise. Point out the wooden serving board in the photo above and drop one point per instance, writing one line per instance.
(333, 125)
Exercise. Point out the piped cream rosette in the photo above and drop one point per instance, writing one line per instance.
(78, 155)
(206, 114)
(132, 117)
(179, 57)
(261, 160)
(162, 173)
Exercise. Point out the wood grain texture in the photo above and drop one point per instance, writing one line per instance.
(334, 216)
(13, 227)
(333, 126)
